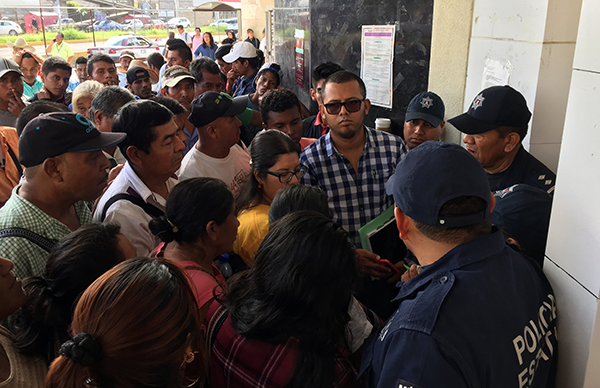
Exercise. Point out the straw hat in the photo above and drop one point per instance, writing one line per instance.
(140, 63)
(19, 43)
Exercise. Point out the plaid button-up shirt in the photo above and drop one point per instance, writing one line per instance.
(355, 197)
(28, 258)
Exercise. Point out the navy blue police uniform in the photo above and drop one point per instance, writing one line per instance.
(481, 316)
(525, 168)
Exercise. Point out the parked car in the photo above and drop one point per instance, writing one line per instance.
(132, 25)
(141, 47)
(157, 24)
(174, 22)
(145, 19)
(105, 25)
(233, 25)
(64, 23)
(9, 28)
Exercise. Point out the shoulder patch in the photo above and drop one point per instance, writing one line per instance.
(405, 384)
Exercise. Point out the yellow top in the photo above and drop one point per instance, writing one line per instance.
(254, 225)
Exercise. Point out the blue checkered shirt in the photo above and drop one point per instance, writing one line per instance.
(355, 198)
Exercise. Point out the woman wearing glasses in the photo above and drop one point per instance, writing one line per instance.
(275, 165)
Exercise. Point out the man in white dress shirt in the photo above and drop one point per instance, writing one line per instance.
(154, 152)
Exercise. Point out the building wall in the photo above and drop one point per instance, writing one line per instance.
(333, 33)
(572, 263)
(451, 34)
(253, 16)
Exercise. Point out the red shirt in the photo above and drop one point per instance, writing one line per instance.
(319, 121)
(238, 362)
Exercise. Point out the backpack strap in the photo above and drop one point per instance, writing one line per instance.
(15, 160)
(148, 208)
(41, 241)
(214, 325)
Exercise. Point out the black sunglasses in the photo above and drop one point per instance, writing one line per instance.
(351, 106)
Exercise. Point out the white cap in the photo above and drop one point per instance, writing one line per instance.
(241, 50)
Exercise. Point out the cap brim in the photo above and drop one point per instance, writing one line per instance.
(8, 71)
(231, 57)
(431, 119)
(127, 55)
(103, 141)
(390, 185)
(470, 125)
(238, 105)
(174, 81)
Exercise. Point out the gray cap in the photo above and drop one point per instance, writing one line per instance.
(6, 66)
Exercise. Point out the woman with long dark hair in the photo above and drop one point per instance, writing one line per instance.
(75, 262)
(199, 225)
(207, 48)
(275, 165)
(135, 327)
(286, 318)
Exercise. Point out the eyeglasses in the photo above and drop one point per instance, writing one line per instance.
(286, 176)
(351, 106)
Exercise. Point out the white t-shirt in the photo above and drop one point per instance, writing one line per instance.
(232, 169)
(186, 37)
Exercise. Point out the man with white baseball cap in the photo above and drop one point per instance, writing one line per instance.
(244, 61)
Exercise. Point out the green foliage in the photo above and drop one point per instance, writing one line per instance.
(74, 34)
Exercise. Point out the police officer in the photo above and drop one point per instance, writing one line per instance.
(480, 314)
(494, 127)
(424, 119)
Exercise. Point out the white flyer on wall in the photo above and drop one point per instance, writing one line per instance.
(377, 63)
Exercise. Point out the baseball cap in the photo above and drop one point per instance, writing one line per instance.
(127, 53)
(133, 74)
(209, 106)
(433, 174)
(172, 78)
(493, 107)
(426, 106)
(56, 133)
(272, 66)
(241, 50)
(524, 212)
(7, 65)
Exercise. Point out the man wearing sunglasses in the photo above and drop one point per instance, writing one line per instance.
(352, 162)
(217, 154)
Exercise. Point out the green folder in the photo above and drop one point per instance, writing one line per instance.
(380, 236)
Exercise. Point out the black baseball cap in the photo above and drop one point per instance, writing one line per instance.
(431, 175)
(493, 107)
(57, 133)
(135, 73)
(426, 106)
(524, 212)
(209, 106)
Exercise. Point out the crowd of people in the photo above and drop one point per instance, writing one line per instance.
(184, 220)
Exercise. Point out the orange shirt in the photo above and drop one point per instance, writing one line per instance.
(10, 176)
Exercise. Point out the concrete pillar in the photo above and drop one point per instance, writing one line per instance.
(572, 263)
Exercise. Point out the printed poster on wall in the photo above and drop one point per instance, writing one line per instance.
(377, 63)
(299, 51)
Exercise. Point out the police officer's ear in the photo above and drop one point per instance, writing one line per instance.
(402, 222)
(512, 141)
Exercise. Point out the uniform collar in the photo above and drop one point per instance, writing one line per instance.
(464, 254)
